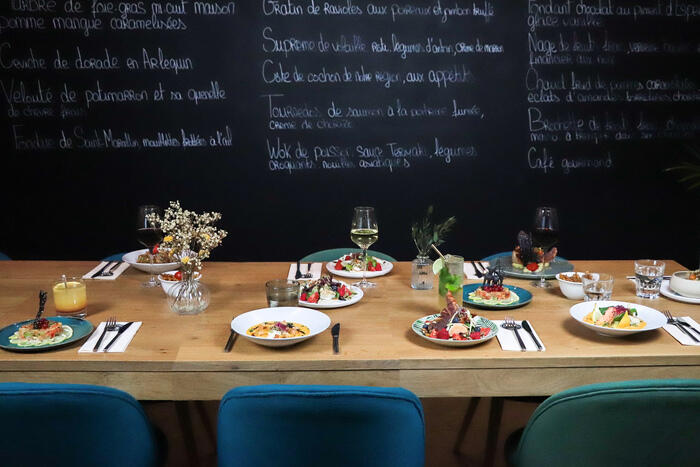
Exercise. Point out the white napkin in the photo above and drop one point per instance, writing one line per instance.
(116, 273)
(508, 341)
(315, 271)
(119, 346)
(469, 269)
(679, 335)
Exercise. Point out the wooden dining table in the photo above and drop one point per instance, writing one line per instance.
(175, 357)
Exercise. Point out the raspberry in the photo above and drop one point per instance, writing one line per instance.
(443, 334)
(532, 267)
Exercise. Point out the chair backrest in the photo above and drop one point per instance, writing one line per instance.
(4, 257)
(324, 256)
(115, 257)
(320, 425)
(71, 425)
(651, 422)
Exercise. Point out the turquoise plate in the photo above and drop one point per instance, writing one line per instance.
(81, 328)
(524, 296)
(550, 272)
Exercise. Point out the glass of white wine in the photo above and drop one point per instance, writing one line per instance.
(364, 232)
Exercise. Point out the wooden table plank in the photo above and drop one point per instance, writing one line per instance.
(181, 357)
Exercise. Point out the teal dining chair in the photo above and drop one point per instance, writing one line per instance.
(4, 257)
(73, 424)
(325, 256)
(273, 425)
(115, 257)
(640, 423)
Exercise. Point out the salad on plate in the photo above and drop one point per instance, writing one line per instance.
(354, 262)
(41, 332)
(325, 289)
(616, 316)
(454, 323)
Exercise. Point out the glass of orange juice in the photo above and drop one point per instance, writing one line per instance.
(70, 297)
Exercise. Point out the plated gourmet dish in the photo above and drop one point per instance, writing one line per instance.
(278, 330)
(492, 291)
(529, 258)
(617, 316)
(325, 289)
(354, 262)
(39, 333)
(159, 257)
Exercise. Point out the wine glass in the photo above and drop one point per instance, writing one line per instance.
(149, 235)
(363, 233)
(545, 236)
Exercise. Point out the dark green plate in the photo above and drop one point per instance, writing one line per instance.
(524, 296)
(550, 272)
(81, 328)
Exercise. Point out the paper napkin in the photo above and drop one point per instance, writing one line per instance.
(679, 335)
(119, 346)
(469, 269)
(116, 273)
(315, 271)
(508, 341)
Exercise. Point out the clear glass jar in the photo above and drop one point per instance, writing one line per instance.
(189, 296)
(422, 273)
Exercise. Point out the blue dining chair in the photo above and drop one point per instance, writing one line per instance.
(115, 257)
(4, 257)
(324, 256)
(73, 424)
(273, 425)
(641, 423)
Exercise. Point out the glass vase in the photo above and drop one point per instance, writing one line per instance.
(189, 296)
(422, 273)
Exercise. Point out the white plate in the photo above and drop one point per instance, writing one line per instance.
(480, 320)
(654, 319)
(316, 321)
(387, 266)
(668, 293)
(168, 286)
(133, 256)
(327, 304)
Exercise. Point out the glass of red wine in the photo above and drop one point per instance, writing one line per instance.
(149, 236)
(545, 235)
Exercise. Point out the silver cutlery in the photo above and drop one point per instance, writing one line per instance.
(119, 333)
(478, 273)
(110, 325)
(688, 325)
(298, 273)
(308, 274)
(528, 328)
(231, 340)
(100, 271)
(335, 332)
(671, 320)
(110, 270)
(509, 323)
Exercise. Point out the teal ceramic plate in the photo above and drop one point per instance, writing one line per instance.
(480, 320)
(504, 260)
(524, 297)
(80, 327)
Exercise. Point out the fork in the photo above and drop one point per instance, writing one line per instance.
(111, 325)
(110, 270)
(511, 324)
(308, 274)
(478, 273)
(671, 320)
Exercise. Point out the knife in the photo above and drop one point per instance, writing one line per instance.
(101, 270)
(119, 333)
(335, 332)
(688, 326)
(231, 340)
(298, 274)
(526, 326)
(110, 270)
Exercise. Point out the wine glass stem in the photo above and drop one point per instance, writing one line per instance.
(364, 269)
(150, 258)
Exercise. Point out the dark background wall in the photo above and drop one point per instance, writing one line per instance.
(80, 203)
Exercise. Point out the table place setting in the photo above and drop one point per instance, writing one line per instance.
(111, 336)
(304, 271)
(107, 270)
(684, 329)
(518, 336)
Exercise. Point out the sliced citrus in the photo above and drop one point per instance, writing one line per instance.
(437, 266)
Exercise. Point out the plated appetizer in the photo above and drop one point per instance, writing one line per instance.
(492, 291)
(278, 330)
(160, 256)
(454, 323)
(354, 262)
(41, 332)
(617, 317)
(529, 258)
(325, 288)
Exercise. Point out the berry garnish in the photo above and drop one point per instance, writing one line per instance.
(532, 267)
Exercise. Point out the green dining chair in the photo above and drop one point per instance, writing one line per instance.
(325, 256)
(74, 424)
(640, 423)
(4, 257)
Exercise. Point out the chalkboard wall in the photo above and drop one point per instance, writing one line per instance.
(283, 115)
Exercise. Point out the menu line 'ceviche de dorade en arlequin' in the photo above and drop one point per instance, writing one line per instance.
(188, 235)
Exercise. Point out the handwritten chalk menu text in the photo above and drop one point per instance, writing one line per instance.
(316, 85)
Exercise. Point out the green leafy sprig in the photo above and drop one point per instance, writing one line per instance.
(425, 232)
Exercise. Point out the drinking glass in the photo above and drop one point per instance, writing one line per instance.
(451, 279)
(597, 287)
(70, 297)
(545, 235)
(149, 236)
(649, 274)
(282, 292)
(363, 233)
